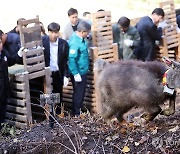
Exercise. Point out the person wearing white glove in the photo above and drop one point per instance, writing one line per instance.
(20, 51)
(162, 24)
(79, 64)
(148, 29)
(128, 42)
(127, 38)
(56, 54)
(77, 78)
(66, 81)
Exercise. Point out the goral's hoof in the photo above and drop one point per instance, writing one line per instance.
(147, 117)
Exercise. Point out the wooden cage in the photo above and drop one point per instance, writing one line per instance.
(22, 105)
(171, 40)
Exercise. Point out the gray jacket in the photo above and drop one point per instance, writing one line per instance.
(68, 31)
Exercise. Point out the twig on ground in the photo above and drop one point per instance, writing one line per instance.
(75, 150)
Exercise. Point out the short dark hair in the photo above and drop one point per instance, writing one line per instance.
(72, 11)
(1, 33)
(124, 22)
(100, 10)
(54, 27)
(83, 26)
(85, 13)
(158, 11)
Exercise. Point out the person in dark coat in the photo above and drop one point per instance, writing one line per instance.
(4, 83)
(56, 54)
(12, 46)
(149, 33)
(178, 20)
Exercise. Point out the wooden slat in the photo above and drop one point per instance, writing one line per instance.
(103, 34)
(173, 45)
(102, 38)
(19, 86)
(101, 23)
(17, 109)
(20, 77)
(106, 42)
(102, 14)
(101, 29)
(26, 22)
(36, 67)
(19, 94)
(36, 74)
(109, 51)
(34, 52)
(17, 124)
(106, 56)
(170, 33)
(35, 59)
(172, 41)
(33, 44)
(67, 99)
(31, 29)
(17, 102)
(105, 47)
(17, 117)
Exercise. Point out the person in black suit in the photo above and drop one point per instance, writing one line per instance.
(149, 32)
(56, 54)
(4, 83)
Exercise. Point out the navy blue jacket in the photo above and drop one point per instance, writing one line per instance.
(12, 45)
(149, 33)
(178, 20)
(148, 30)
(63, 50)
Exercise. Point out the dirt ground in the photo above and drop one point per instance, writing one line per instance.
(91, 135)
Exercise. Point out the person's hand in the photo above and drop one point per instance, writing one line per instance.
(20, 51)
(162, 24)
(128, 42)
(66, 81)
(77, 78)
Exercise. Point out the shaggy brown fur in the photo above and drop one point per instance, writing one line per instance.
(126, 84)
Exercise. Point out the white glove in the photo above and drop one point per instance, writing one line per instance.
(77, 78)
(128, 42)
(162, 24)
(66, 81)
(20, 51)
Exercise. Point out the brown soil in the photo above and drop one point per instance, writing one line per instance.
(90, 134)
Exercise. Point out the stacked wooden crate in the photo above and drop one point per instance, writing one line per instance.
(20, 106)
(103, 47)
(170, 41)
(102, 37)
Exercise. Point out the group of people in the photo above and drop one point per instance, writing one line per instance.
(68, 56)
(139, 41)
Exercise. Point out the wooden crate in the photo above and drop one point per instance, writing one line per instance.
(21, 107)
(170, 41)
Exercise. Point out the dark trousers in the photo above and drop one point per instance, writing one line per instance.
(57, 83)
(148, 51)
(79, 89)
(3, 108)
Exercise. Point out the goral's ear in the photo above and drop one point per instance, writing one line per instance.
(100, 64)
